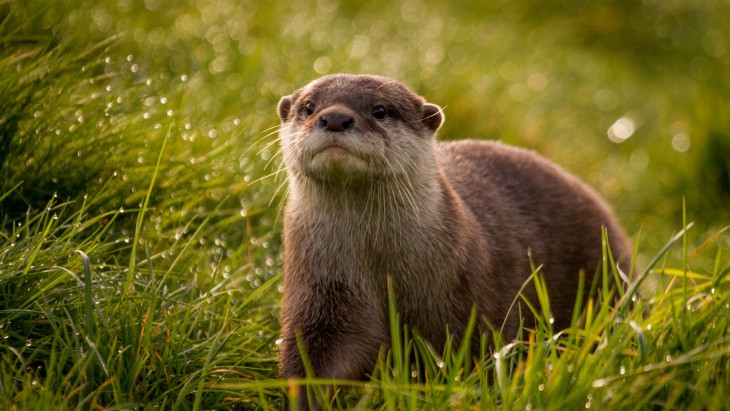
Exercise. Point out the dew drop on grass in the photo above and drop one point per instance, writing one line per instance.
(669, 358)
(441, 364)
(541, 387)
(622, 370)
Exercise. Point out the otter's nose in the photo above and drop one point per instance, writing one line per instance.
(335, 121)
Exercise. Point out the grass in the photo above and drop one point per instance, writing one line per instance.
(139, 235)
(75, 335)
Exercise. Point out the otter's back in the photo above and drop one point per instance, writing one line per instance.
(524, 202)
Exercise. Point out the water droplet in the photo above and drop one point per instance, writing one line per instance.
(622, 370)
(681, 142)
(622, 129)
(440, 364)
(134, 68)
(669, 358)
(184, 78)
(541, 387)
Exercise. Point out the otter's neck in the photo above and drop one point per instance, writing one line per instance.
(380, 220)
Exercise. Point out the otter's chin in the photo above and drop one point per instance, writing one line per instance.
(337, 162)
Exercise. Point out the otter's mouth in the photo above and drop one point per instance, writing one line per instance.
(336, 159)
(335, 151)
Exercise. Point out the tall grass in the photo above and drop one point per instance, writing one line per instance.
(72, 337)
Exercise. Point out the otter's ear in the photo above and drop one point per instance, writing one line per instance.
(432, 116)
(284, 107)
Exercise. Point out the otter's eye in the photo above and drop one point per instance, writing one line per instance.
(379, 112)
(309, 108)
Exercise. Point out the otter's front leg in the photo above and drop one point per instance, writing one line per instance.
(343, 357)
(340, 337)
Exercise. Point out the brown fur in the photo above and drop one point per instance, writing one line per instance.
(451, 223)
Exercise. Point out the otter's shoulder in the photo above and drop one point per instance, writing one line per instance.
(480, 165)
(488, 152)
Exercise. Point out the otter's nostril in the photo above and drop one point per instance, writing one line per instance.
(322, 122)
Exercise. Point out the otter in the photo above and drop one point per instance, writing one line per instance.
(456, 225)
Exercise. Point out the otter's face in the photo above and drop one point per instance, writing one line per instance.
(353, 128)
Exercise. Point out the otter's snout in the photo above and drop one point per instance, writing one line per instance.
(336, 120)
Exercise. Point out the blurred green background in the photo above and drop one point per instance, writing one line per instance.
(630, 95)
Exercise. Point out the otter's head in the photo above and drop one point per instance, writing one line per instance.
(355, 128)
